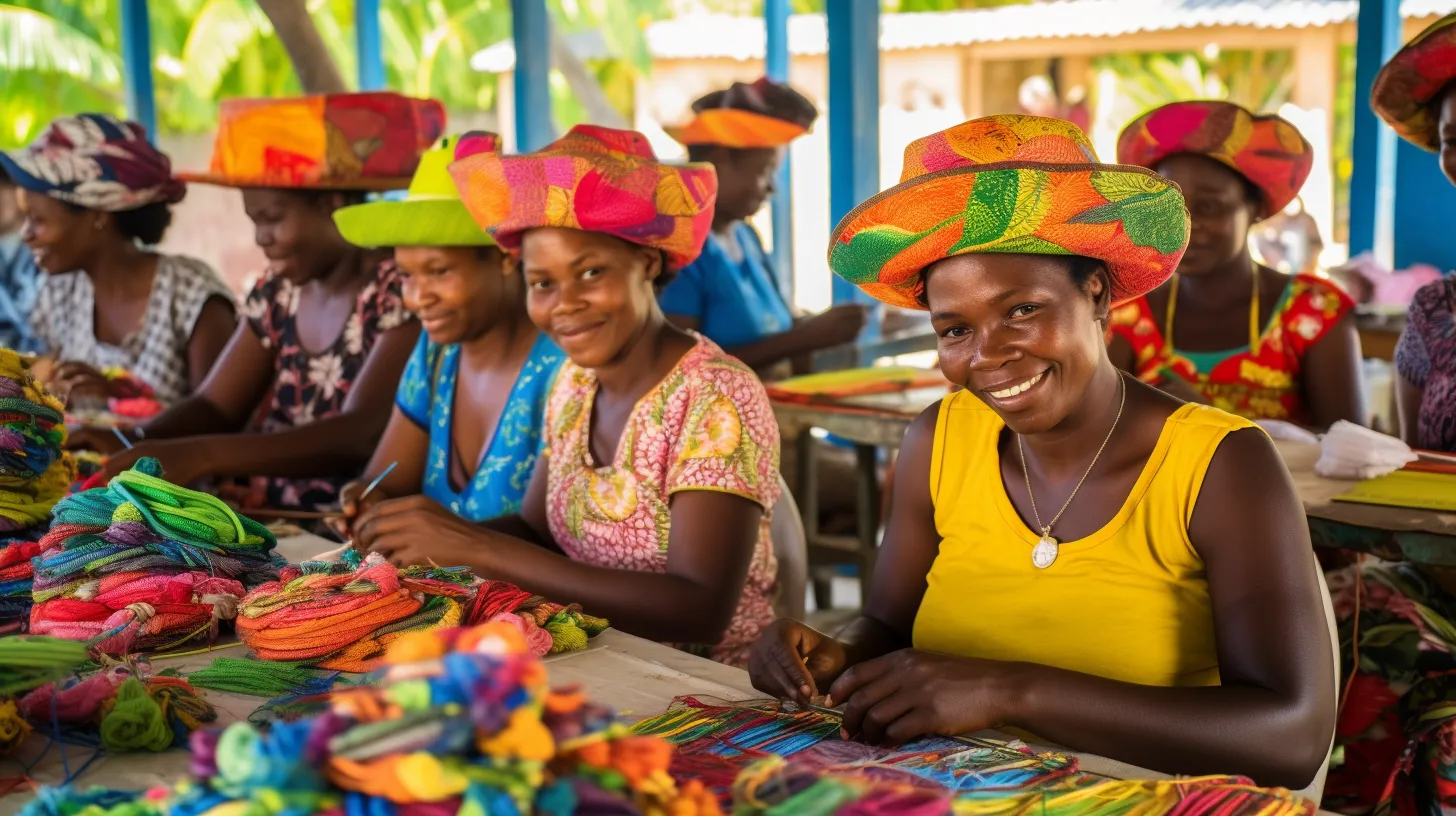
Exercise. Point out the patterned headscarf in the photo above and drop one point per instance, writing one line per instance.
(95, 161)
(1011, 184)
(1265, 149)
(762, 114)
(1408, 84)
(594, 178)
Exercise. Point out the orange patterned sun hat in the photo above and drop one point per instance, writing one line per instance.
(353, 141)
(760, 114)
(1011, 184)
(1265, 149)
(594, 178)
(1406, 86)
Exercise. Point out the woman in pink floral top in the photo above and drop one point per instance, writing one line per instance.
(651, 504)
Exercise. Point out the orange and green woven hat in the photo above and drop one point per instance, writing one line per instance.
(1265, 149)
(1011, 184)
(594, 178)
(352, 141)
(1408, 84)
(748, 115)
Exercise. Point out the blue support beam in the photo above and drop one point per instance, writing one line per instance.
(1373, 156)
(136, 57)
(854, 113)
(776, 66)
(369, 45)
(531, 34)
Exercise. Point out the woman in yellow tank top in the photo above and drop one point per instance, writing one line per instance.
(1069, 552)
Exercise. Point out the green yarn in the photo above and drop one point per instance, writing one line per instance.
(260, 678)
(566, 636)
(823, 798)
(135, 722)
(30, 661)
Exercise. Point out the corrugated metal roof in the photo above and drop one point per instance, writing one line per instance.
(708, 36)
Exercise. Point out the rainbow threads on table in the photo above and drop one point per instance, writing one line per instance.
(35, 473)
(145, 565)
(120, 709)
(344, 615)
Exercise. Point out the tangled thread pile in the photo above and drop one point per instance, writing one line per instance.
(35, 473)
(25, 663)
(344, 615)
(766, 758)
(130, 397)
(461, 721)
(120, 708)
(145, 565)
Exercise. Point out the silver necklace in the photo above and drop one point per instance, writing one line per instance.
(1045, 551)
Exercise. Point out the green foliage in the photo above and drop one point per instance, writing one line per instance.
(1259, 80)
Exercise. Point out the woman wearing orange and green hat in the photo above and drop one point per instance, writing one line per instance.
(650, 505)
(301, 394)
(730, 293)
(1225, 330)
(466, 426)
(1070, 552)
(1415, 93)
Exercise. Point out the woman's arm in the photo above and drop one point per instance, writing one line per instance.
(1271, 719)
(1331, 377)
(231, 391)
(710, 547)
(210, 334)
(1408, 399)
(329, 446)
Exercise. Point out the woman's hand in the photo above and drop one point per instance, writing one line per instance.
(90, 437)
(907, 694)
(184, 461)
(793, 661)
(416, 530)
(79, 379)
(354, 504)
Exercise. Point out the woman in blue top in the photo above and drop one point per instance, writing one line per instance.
(729, 294)
(466, 427)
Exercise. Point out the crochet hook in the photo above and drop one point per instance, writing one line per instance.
(121, 436)
(377, 479)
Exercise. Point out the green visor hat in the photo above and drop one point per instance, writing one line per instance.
(430, 214)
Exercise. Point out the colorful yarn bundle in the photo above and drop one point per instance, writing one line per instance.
(27, 662)
(130, 397)
(120, 709)
(344, 615)
(460, 721)
(35, 473)
(145, 565)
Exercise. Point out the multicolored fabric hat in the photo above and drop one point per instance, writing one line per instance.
(432, 214)
(356, 141)
(762, 114)
(1265, 149)
(594, 178)
(1011, 184)
(1408, 84)
(95, 161)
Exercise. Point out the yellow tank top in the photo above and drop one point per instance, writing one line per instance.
(1129, 602)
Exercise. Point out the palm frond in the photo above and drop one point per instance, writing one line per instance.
(221, 32)
(38, 43)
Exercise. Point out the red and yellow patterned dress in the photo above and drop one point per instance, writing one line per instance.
(1257, 383)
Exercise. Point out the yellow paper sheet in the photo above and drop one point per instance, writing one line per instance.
(1405, 488)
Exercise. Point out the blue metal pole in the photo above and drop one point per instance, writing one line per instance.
(1372, 180)
(369, 45)
(854, 112)
(776, 66)
(531, 34)
(136, 56)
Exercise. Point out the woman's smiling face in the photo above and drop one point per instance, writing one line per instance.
(1019, 331)
(589, 292)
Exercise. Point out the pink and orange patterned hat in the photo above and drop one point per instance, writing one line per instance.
(1265, 149)
(1011, 184)
(1406, 86)
(594, 178)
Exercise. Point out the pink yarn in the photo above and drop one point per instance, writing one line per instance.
(537, 638)
(77, 703)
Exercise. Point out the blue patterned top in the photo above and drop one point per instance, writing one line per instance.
(427, 396)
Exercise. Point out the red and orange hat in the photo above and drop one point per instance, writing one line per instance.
(1265, 149)
(1408, 84)
(594, 178)
(761, 114)
(353, 141)
(1011, 184)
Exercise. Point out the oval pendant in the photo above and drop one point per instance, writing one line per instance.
(1044, 553)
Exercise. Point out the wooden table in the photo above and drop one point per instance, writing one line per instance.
(1423, 537)
(637, 677)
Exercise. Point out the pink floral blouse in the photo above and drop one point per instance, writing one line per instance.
(707, 426)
